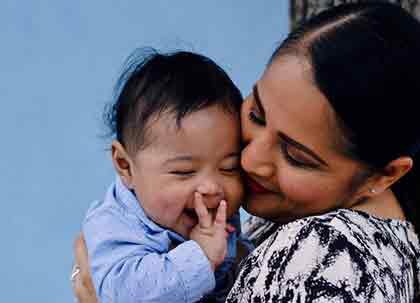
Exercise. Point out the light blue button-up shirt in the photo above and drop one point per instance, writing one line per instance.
(131, 259)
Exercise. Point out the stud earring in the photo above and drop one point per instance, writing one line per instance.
(372, 190)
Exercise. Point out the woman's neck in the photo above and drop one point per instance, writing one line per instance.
(384, 205)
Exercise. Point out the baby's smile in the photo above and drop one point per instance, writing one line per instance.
(190, 212)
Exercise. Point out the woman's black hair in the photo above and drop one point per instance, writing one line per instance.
(178, 83)
(365, 59)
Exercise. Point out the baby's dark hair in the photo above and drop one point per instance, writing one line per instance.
(178, 83)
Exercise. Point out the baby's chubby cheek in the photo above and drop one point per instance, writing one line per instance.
(166, 209)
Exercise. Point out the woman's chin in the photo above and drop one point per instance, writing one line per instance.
(256, 210)
(268, 209)
(256, 203)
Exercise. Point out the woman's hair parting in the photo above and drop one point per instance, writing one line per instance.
(365, 59)
(177, 83)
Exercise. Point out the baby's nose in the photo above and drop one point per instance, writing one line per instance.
(212, 194)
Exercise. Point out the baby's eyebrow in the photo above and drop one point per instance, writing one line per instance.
(187, 158)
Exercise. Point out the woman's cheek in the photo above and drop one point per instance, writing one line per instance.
(306, 190)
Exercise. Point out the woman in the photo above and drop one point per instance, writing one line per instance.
(332, 157)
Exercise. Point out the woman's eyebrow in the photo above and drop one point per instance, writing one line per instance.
(283, 136)
(301, 147)
(257, 99)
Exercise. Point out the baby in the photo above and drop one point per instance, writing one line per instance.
(160, 234)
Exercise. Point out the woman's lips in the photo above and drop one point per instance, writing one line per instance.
(256, 187)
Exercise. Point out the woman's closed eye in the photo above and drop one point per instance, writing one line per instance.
(294, 157)
(233, 169)
(255, 117)
(256, 113)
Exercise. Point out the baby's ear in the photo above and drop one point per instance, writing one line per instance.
(122, 163)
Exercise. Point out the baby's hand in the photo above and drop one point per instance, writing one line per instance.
(210, 235)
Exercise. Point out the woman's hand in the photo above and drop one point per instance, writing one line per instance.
(83, 288)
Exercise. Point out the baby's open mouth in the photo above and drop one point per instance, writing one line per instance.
(190, 212)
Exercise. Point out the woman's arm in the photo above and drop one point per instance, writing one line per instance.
(82, 283)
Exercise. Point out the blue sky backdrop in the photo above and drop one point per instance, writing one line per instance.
(59, 61)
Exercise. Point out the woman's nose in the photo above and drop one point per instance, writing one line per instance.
(256, 157)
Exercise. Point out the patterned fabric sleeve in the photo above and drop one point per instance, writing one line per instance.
(330, 259)
(257, 229)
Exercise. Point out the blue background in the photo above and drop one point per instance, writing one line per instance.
(59, 61)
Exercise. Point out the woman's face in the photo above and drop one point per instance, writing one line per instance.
(293, 167)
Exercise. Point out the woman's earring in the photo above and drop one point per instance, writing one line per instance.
(372, 190)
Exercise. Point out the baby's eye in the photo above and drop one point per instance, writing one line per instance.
(182, 172)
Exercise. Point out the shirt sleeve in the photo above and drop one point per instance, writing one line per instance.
(130, 266)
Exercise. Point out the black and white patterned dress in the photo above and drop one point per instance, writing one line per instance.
(341, 256)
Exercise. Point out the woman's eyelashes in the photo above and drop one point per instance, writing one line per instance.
(231, 170)
(257, 119)
(295, 161)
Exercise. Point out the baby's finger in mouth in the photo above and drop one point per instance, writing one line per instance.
(204, 218)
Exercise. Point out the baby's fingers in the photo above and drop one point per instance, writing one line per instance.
(204, 218)
(220, 220)
(230, 228)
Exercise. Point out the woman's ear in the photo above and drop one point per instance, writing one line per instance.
(122, 163)
(392, 172)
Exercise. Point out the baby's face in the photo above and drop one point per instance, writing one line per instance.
(204, 152)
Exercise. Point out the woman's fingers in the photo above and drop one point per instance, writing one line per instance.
(80, 252)
(82, 283)
(204, 218)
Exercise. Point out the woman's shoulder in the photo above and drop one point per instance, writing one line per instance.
(346, 225)
(338, 232)
(347, 233)
(337, 254)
